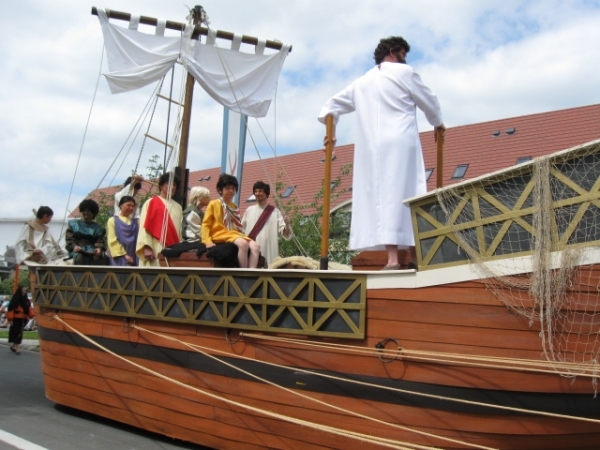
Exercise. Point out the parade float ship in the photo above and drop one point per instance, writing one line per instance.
(491, 343)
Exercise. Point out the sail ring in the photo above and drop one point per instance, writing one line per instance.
(381, 346)
(228, 336)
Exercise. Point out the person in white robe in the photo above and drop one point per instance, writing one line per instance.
(131, 187)
(35, 242)
(388, 160)
(276, 225)
(160, 223)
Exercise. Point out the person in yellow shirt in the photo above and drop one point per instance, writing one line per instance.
(222, 223)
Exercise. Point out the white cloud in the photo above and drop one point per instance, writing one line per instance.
(485, 60)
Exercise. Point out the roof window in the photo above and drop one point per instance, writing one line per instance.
(288, 191)
(511, 130)
(522, 159)
(460, 171)
(428, 173)
(252, 198)
(496, 133)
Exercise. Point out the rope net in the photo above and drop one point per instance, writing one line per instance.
(528, 233)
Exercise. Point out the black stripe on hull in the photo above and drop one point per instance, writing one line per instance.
(580, 405)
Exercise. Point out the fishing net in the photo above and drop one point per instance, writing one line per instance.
(532, 234)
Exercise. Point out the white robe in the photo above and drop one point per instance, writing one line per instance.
(33, 236)
(268, 238)
(388, 160)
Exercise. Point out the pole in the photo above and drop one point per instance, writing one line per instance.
(180, 170)
(440, 159)
(329, 132)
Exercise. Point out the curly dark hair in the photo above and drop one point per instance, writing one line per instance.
(263, 186)
(391, 44)
(44, 211)
(89, 205)
(226, 180)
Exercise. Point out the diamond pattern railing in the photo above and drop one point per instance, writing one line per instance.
(318, 304)
(494, 215)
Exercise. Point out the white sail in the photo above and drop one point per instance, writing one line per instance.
(242, 82)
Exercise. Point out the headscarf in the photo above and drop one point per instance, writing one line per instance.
(19, 299)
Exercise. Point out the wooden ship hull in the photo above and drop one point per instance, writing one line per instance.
(434, 396)
(294, 359)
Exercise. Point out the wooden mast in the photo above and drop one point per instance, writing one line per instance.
(181, 169)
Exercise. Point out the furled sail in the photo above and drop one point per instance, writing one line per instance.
(242, 82)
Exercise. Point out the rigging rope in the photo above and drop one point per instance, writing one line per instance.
(82, 143)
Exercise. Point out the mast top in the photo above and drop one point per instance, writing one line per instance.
(199, 30)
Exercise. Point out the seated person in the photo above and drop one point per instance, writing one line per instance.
(160, 222)
(121, 234)
(85, 236)
(193, 214)
(222, 223)
(35, 243)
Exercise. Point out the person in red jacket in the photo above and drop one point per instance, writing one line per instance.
(19, 311)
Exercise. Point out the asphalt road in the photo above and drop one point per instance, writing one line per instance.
(25, 413)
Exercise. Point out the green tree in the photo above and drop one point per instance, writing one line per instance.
(307, 226)
(6, 286)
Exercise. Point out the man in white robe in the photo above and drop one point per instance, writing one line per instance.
(160, 223)
(388, 160)
(35, 243)
(276, 224)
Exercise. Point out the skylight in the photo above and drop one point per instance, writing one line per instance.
(460, 171)
(522, 159)
(288, 191)
(252, 198)
(511, 131)
(428, 173)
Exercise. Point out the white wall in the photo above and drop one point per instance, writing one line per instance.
(10, 228)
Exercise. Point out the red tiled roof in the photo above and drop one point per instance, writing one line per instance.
(535, 135)
(475, 145)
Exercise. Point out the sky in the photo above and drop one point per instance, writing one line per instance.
(63, 134)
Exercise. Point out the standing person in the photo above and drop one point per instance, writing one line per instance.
(222, 223)
(35, 243)
(19, 311)
(85, 236)
(264, 223)
(131, 187)
(121, 234)
(160, 222)
(388, 160)
(193, 214)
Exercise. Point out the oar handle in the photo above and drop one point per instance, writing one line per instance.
(330, 133)
(440, 159)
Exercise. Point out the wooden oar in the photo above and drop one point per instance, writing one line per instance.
(330, 133)
(440, 159)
